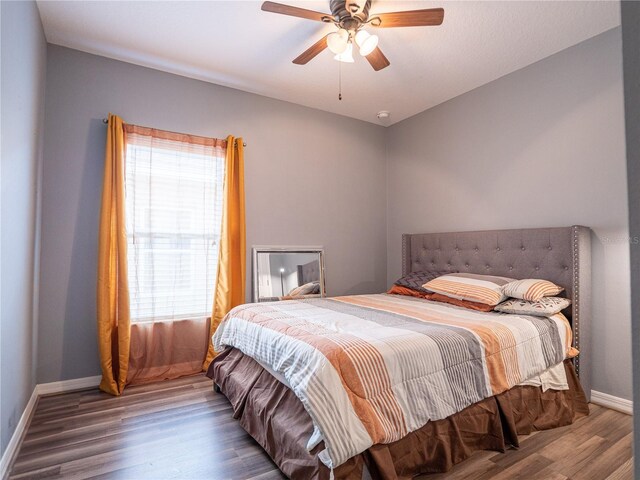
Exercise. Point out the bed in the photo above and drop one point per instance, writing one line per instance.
(433, 434)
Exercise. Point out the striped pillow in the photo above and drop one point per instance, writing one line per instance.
(485, 289)
(531, 289)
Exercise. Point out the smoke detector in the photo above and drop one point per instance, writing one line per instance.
(383, 115)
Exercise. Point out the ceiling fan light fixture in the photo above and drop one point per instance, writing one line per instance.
(338, 41)
(347, 55)
(366, 42)
(352, 15)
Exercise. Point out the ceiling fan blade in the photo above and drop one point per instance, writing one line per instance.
(293, 11)
(410, 18)
(311, 52)
(377, 59)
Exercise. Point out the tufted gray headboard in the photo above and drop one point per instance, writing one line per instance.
(561, 255)
(309, 272)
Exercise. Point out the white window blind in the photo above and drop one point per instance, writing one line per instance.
(174, 188)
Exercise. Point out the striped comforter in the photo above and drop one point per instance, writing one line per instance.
(371, 368)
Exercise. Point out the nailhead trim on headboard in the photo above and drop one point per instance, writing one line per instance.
(576, 298)
(405, 239)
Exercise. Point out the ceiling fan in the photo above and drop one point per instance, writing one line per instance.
(350, 16)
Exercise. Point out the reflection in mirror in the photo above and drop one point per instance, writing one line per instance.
(285, 273)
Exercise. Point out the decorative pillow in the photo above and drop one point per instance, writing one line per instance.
(531, 289)
(410, 292)
(306, 289)
(436, 297)
(545, 307)
(415, 280)
(485, 289)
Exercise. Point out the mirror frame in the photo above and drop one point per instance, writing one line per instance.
(284, 249)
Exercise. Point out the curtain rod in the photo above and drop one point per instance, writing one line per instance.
(106, 121)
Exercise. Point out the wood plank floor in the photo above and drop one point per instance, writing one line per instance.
(181, 429)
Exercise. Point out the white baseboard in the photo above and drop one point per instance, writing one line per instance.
(40, 390)
(68, 385)
(615, 403)
(16, 438)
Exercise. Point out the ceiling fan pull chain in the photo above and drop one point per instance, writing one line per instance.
(340, 81)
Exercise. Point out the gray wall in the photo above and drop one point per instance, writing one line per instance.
(630, 43)
(541, 147)
(312, 178)
(23, 77)
(549, 137)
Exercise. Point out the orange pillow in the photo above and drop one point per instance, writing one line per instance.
(398, 290)
(437, 297)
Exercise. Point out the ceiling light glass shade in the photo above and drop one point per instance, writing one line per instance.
(366, 42)
(347, 55)
(338, 41)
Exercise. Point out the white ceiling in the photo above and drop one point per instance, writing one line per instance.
(234, 43)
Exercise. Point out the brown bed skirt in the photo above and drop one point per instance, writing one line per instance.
(271, 413)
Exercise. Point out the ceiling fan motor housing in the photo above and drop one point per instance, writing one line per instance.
(350, 14)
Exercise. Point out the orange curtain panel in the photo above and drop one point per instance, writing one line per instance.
(230, 280)
(113, 285)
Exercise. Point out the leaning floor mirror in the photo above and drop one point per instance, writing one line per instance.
(287, 273)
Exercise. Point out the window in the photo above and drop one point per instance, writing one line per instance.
(174, 188)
